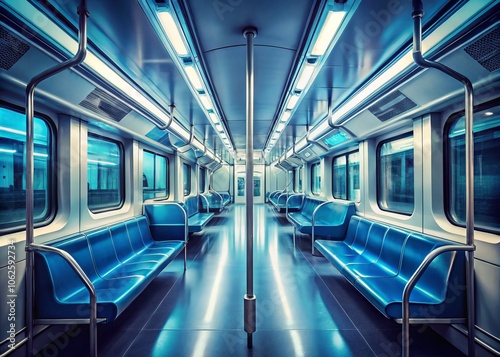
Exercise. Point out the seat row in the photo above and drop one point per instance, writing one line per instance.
(213, 201)
(379, 260)
(119, 260)
(176, 219)
(321, 218)
(286, 201)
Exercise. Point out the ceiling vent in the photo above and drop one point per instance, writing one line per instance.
(392, 105)
(486, 50)
(11, 49)
(104, 104)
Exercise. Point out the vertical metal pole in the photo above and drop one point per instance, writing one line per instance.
(469, 216)
(30, 109)
(417, 14)
(249, 309)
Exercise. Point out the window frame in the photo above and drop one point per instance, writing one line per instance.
(449, 122)
(167, 178)
(52, 192)
(347, 176)
(379, 169)
(202, 179)
(313, 184)
(121, 174)
(186, 168)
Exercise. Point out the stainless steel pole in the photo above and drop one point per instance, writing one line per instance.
(249, 299)
(418, 13)
(30, 109)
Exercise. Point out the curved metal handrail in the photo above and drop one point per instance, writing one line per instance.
(411, 284)
(86, 281)
(312, 222)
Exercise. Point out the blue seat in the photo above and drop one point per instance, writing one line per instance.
(328, 219)
(212, 201)
(379, 260)
(118, 262)
(197, 220)
(286, 201)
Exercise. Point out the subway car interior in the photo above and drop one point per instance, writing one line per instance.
(249, 178)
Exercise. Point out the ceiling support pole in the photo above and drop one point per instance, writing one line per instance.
(249, 308)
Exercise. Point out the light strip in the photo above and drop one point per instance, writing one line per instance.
(8, 151)
(327, 32)
(174, 36)
(63, 40)
(206, 102)
(437, 36)
(194, 77)
(292, 101)
(305, 76)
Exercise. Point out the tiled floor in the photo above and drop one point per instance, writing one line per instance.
(304, 307)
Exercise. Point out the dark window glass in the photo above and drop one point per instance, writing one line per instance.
(154, 176)
(299, 188)
(315, 179)
(187, 179)
(353, 193)
(340, 177)
(346, 177)
(105, 174)
(395, 175)
(486, 170)
(202, 179)
(13, 171)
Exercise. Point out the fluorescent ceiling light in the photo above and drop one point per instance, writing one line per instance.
(280, 127)
(173, 33)
(214, 118)
(292, 101)
(8, 151)
(305, 76)
(439, 35)
(276, 136)
(194, 77)
(285, 116)
(206, 102)
(328, 30)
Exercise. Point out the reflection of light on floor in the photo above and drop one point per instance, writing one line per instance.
(201, 344)
(277, 277)
(297, 343)
(217, 282)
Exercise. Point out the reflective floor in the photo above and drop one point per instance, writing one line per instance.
(304, 307)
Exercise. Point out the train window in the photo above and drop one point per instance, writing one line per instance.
(395, 190)
(315, 179)
(298, 182)
(105, 174)
(486, 170)
(346, 177)
(340, 177)
(187, 179)
(202, 179)
(154, 176)
(13, 168)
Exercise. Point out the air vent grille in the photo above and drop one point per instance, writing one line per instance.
(11, 49)
(102, 103)
(486, 50)
(392, 105)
